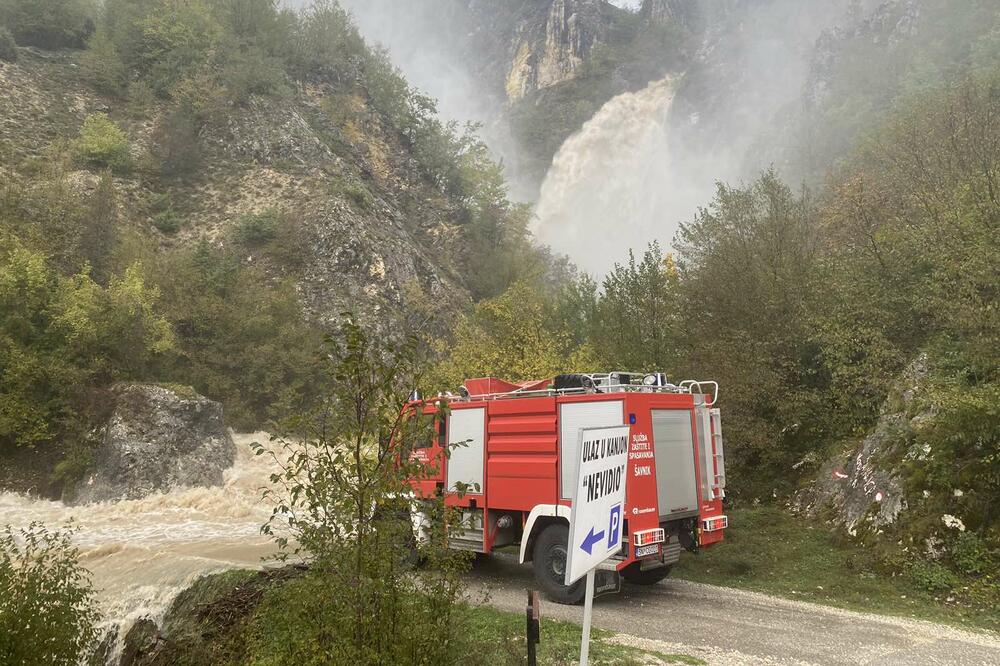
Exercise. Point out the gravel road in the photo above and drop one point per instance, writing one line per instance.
(734, 627)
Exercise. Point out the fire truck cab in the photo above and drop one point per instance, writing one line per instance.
(518, 454)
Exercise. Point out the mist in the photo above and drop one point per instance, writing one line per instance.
(648, 160)
(637, 170)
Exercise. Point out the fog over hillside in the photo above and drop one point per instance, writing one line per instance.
(750, 63)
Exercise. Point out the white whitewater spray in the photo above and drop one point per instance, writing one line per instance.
(609, 188)
(142, 553)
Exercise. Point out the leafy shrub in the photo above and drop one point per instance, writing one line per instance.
(932, 576)
(510, 336)
(972, 556)
(165, 218)
(253, 73)
(49, 24)
(242, 336)
(102, 143)
(168, 222)
(256, 229)
(357, 194)
(61, 334)
(164, 42)
(47, 613)
(8, 49)
(175, 146)
(140, 99)
(102, 66)
(985, 592)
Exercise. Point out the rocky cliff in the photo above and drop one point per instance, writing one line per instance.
(686, 12)
(369, 227)
(550, 50)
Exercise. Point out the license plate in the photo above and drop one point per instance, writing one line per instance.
(647, 551)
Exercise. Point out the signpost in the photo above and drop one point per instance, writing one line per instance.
(595, 524)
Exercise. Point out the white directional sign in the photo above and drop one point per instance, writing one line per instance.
(595, 524)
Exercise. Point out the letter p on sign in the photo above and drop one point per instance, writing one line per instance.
(615, 526)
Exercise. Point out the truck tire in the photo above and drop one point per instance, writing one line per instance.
(550, 566)
(636, 576)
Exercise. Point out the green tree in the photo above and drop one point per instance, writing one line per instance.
(175, 145)
(746, 267)
(47, 612)
(51, 24)
(344, 499)
(99, 235)
(911, 273)
(102, 143)
(637, 321)
(509, 337)
(8, 48)
(60, 336)
(242, 337)
(103, 66)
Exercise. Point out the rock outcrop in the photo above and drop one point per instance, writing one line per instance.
(857, 489)
(157, 438)
(685, 12)
(553, 51)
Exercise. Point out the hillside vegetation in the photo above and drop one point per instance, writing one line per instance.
(193, 192)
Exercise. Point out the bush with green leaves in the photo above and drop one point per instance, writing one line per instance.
(253, 73)
(646, 294)
(102, 143)
(168, 222)
(176, 148)
(933, 576)
(257, 229)
(47, 610)
(344, 500)
(62, 335)
(8, 48)
(49, 24)
(510, 336)
(241, 335)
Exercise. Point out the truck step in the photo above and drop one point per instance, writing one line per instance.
(467, 539)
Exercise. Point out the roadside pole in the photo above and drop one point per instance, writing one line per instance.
(595, 524)
(588, 612)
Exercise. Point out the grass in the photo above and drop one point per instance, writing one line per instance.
(771, 551)
(226, 619)
(502, 637)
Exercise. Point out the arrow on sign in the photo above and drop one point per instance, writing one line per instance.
(590, 540)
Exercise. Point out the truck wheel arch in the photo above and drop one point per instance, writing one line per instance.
(540, 517)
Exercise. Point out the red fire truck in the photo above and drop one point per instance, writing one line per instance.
(518, 456)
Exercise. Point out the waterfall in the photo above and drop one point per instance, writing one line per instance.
(142, 553)
(610, 188)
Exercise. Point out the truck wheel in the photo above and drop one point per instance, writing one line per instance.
(550, 566)
(636, 576)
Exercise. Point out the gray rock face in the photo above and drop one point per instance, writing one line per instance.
(155, 440)
(854, 485)
(553, 50)
(685, 12)
(861, 492)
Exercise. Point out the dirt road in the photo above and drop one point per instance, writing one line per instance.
(726, 626)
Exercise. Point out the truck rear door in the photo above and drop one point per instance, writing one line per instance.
(676, 476)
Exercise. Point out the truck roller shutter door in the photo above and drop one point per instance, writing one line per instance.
(572, 417)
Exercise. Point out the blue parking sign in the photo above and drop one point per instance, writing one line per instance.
(615, 526)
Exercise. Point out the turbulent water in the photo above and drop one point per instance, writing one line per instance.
(143, 552)
(610, 186)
